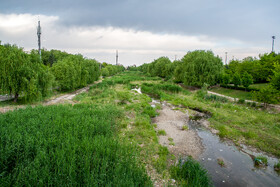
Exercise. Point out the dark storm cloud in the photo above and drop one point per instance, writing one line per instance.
(250, 20)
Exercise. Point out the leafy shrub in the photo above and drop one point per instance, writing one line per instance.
(225, 79)
(266, 95)
(247, 80)
(275, 81)
(241, 101)
(236, 80)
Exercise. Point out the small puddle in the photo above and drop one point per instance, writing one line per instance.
(239, 169)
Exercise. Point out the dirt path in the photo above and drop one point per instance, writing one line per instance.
(65, 98)
(186, 142)
(277, 107)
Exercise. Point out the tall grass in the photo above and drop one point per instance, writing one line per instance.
(67, 146)
(155, 90)
(189, 172)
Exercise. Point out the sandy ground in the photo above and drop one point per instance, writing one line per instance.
(186, 142)
(65, 98)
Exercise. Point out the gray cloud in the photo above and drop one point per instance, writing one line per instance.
(252, 20)
(144, 29)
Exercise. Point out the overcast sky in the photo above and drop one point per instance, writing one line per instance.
(143, 30)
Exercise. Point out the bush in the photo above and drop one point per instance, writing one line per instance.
(266, 95)
(275, 81)
(247, 80)
(225, 79)
(236, 80)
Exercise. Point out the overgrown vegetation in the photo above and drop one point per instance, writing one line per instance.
(138, 128)
(188, 172)
(67, 145)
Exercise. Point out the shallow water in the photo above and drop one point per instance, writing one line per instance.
(239, 167)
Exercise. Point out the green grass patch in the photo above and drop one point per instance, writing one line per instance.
(161, 133)
(233, 93)
(67, 145)
(185, 127)
(277, 167)
(189, 172)
(259, 85)
(260, 161)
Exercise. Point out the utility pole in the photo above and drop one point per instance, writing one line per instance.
(175, 57)
(273, 38)
(117, 56)
(226, 58)
(39, 38)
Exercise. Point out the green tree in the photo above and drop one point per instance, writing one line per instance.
(225, 78)
(201, 67)
(179, 73)
(23, 74)
(275, 79)
(247, 80)
(266, 95)
(105, 72)
(236, 80)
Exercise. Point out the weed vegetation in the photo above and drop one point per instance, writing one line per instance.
(189, 172)
(67, 145)
(136, 127)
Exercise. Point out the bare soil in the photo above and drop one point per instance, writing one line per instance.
(186, 142)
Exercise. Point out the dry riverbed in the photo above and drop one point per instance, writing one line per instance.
(180, 140)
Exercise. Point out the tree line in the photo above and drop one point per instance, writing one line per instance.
(200, 67)
(195, 68)
(28, 75)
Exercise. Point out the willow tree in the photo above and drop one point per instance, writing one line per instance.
(22, 73)
(199, 67)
